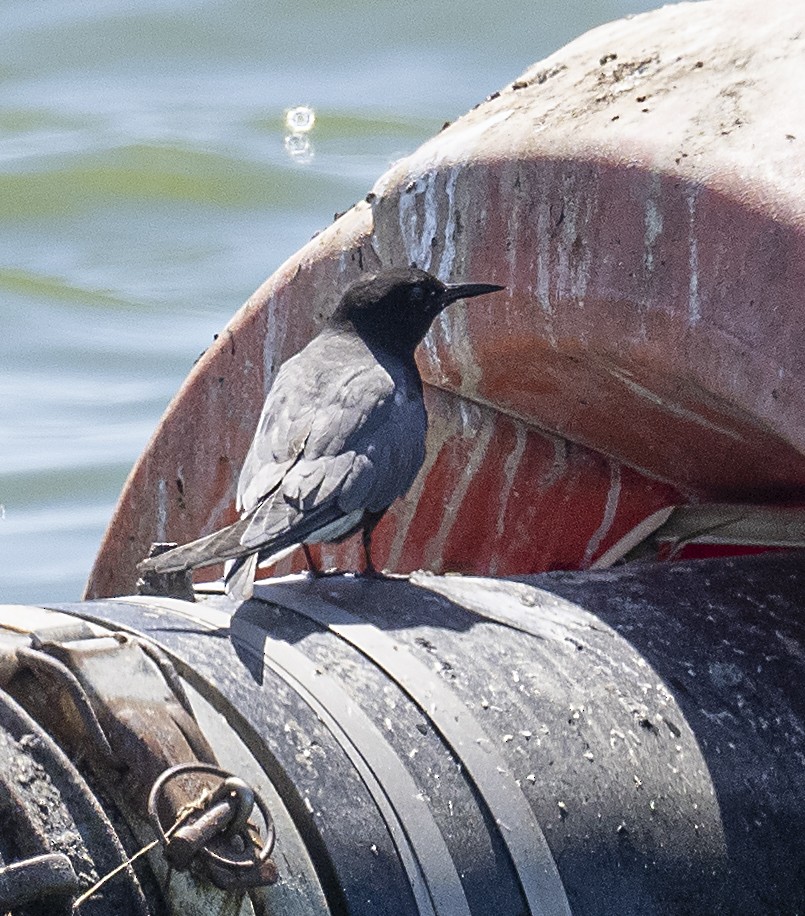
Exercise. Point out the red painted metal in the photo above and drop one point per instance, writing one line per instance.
(639, 194)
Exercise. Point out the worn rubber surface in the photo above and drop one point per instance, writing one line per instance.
(647, 722)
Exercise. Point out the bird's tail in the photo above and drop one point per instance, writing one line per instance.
(213, 548)
(239, 578)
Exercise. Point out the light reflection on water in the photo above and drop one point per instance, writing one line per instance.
(146, 191)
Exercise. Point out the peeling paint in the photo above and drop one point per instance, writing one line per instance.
(419, 242)
(629, 195)
(444, 323)
(575, 254)
(694, 303)
(653, 222)
(513, 235)
(431, 351)
(470, 413)
(608, 518)
(460, 342)
(449, 251)
(162, 509)
(543, 278)
(565, 284)
(559, 464)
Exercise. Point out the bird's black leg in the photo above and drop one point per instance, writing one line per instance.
(312, 565)
(369, 566)
(369, 525)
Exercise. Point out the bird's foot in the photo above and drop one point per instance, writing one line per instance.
(370, 572)
(314, 570)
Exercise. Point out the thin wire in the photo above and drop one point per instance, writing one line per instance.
(184, 814)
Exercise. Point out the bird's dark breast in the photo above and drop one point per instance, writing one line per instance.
(400, 452)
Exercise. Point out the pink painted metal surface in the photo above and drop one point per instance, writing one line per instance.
(639, 193)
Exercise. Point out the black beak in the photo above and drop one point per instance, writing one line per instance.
(456, 291)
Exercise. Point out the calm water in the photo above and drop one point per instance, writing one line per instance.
(145, 191)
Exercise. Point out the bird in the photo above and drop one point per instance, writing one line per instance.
(341, 434)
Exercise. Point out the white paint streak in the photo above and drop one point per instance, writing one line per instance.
(455, 327)
(559, 466)
(513, 234)
(543, 279)
(445, 324)
(408, 219)
(432, 353)
(652, 219)
(418, 241)
(676, 409)
(694, 303)
(479, 426)
(162, 508)
(565, 284)
(449, 251)
(611, 507)
(510, 468)
(464, 409)
(573, 254)
(431, 221)
(570, 209)
(581, 253)
(419, 245)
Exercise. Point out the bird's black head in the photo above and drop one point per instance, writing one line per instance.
(396, 308)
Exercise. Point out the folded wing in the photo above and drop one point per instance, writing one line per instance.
(335, 437)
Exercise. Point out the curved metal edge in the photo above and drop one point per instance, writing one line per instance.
(434, 880)
(512, 603)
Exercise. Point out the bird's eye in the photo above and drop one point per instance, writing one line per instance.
(417, 293)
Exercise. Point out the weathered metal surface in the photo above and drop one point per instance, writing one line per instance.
(498, 497)
(639, 193)
(140, 700)
(37, 878)
(650, 716)
(106, 700)
(115, 702)
(48, 810)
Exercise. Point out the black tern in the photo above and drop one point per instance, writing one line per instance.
(342, 431)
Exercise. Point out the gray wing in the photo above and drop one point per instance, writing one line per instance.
(339, 433)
